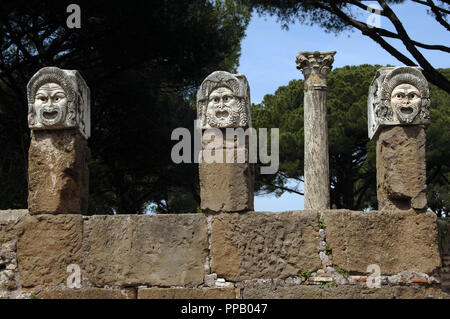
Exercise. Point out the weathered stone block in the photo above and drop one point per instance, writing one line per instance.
(226, 187)
(343, 292)
(316, 292)
(408, 292)
(47, 245)
(161, 250)
(401, 168)
(8, 250)
(8, 221)
(85, 293)
(395, 240)
(12, 215)
(186, 293)
(264, 245)
(58, 173)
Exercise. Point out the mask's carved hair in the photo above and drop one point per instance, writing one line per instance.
(51, 75)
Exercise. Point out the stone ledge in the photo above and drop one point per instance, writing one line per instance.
(12, 215)
(154, 250)
(186, 293)
(343, 292)
(264, 245)
(84, 293)
(395, 240)
(9, 220)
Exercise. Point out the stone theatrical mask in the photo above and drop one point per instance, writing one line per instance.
(223, 101)
(405, 102)
(50, 105)
(397, 96)
(58, 99)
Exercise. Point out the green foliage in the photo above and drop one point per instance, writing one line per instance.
(328, 284)
(321, 223)
(352, 155)
(306, 273)
(342, 271)
(328, 250)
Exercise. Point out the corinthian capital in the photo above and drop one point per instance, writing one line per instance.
(315, 62)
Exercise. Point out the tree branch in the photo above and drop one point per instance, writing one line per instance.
(426, 3)
(429, 72)
(438, 15)
(286, 189)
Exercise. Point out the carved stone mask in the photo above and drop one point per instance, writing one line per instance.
(223, 109)
(223, 101)
(51, 105)
(405, 102)
(397, 96)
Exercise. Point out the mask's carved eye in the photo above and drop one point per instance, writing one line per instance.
(226, 98)
(216, 100)
(413, 95)
(42, 98)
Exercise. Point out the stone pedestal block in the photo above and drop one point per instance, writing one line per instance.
(186, 293)
(47, 245)
(162, 250)
(226, 187)
(394, 240)
(226, 179)
(264, 245)
(401, 168)
(58, 173)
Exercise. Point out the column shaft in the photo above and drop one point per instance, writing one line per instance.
(315, 67)
(317, 193)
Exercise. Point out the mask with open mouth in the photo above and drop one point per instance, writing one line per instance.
(51, 105)
(405, 102)
(397, 96)
(223, 108)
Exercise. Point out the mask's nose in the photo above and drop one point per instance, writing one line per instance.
(49, 104)
(221, 104)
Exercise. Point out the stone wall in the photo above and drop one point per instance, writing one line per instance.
(295, 254)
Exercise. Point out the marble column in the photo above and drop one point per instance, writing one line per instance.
(315, 67)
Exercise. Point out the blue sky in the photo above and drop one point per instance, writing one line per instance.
(268, 59)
